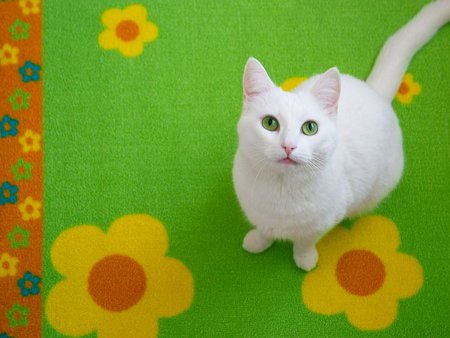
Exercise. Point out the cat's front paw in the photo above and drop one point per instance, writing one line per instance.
(306, 260)
(256, 242)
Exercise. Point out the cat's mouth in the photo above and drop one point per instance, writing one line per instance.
(287, 161)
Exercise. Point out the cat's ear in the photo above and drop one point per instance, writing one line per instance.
(256, 80)
(327, 90)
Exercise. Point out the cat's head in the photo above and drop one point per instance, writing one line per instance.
(285, 130)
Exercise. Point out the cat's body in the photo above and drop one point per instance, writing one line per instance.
(328, 150)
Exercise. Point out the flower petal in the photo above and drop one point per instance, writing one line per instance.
(137, 13)
(140, 235)
(321, 293)
(149, 31)
(111, 17)
(70, 310)
(108, 39)
(415, 88)
(172, 287)
(372, 313)
(292, 83)
(77, 249)
(136, 325)
(330, 247)
(404, 276)
(376, 233)
(132, 49)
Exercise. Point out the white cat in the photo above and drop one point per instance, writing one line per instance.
(328, 150)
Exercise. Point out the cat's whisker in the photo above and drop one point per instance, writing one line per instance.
(264, 164)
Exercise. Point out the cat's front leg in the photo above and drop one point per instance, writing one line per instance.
(305, 255)
(255, 241)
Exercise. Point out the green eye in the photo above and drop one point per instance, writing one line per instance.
(270, 123)
(310, 128)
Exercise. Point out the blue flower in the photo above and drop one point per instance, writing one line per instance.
(8, 126)
(27, 290)
(30, 71)
(8, 193)
(4, 335)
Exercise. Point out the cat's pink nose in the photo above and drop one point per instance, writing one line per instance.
(288, 150)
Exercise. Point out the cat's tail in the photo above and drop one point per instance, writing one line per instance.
(398, 50)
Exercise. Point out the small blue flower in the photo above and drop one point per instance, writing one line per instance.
(27, 290)
(8, 193)
(8, 126)
(30, 72)
(4, 335)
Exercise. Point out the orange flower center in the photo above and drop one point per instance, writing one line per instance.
(360, 272)
(5, 265)
(127, 30)
(29, 71)
(8, 55)
(29, 209)
(29, 4)
(404, 88)
(17, 316)
(116, 283)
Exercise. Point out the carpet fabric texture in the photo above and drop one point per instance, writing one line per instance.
(117, 211)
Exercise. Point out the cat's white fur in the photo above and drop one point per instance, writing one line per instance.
(347, 168)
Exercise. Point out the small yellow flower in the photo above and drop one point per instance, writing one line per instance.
(30, 141)
(30, 209)
(30, 6)
(118, 283)
(292, 83)
(361, 274)
(8, 265)
(9, 55)
(408, 89)
(127, 30)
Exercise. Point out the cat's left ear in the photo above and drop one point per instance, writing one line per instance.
(327, 90)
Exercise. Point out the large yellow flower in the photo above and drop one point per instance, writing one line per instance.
(361, 274)
(127, 30)
(408, 89)
(116, 283)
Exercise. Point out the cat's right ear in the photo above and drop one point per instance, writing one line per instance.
(256, 80)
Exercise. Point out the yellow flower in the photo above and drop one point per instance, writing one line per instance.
(30, 209)
(29, 6)
(361, 274)
(117, 283)
(127, 30)
(8, 265)
(8, 55)
(408, 89)
(30, 141)
(292, 82)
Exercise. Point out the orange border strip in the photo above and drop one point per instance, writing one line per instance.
(21, 168)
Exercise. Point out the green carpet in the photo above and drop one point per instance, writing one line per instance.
(131, 131)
